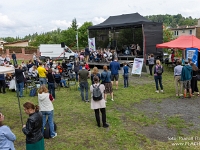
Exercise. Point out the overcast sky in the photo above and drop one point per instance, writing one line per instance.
(23, 17)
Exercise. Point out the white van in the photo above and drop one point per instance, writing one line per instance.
(55, 52)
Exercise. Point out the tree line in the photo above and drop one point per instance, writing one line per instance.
(68, 36)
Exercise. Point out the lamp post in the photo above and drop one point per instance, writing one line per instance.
(77, 39)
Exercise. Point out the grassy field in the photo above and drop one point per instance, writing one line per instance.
(76, 123)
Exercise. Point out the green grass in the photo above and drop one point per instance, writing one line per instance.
(76, 123)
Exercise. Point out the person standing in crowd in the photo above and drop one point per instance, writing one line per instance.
(177, 79)
(95, 72)
(114, 67)
(76, 68)
(186, 76)
(172, 56)
(106, 80)
(99, 105)
(1, 60)
(133, 49)
(151, 63)
(7, 137)
(2, 84)
(87, 54)
(195, 71)
(42, 74)
(138, 50)
(158, 70)
(20, 80)
(7, 59)
(83, 76)
(14, 58)
(33, 127)
(51, 83)
(125, 75)
(47, 109)
(35, 58)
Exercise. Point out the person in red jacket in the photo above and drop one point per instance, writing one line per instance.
(87, 66)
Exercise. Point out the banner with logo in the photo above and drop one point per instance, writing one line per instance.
(91, 43)
(137, 66)
(192, 53)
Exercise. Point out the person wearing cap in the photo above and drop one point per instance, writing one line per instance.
(83, 76)
(7, 137)
(186, 76)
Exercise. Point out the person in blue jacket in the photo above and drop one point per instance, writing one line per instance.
(186, 76)
(7, 137)
(125, 75)
(114, 68)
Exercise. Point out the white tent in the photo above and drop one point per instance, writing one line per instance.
(9, 69)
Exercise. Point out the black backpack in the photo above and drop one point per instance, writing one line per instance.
(97, 95)
(159, 70)
(47, 130)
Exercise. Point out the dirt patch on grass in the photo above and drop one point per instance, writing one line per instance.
(185, 109)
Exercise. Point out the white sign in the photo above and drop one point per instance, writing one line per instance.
(137, 66)
(91, 43)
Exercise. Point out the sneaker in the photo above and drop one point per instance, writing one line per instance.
(157, 91)
(106, 125)
(87, 101)
(161, 91)
(176, 94)
(54, 135)
(180, 94)
(112, 99)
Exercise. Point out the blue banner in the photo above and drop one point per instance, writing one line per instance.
(192, 53)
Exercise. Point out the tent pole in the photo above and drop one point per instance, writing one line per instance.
(18, 101)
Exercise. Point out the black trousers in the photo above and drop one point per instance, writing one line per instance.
(103, 113)
(150, 69)
(2, 85)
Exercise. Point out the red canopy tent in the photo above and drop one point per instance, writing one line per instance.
(182, 42)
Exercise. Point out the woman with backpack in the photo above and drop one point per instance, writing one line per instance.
(158, 70)
(98, 102)
(95, 72)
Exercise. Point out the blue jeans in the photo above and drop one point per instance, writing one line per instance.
(125, 80)
(84, 86)
(48, 115)
(158, 79)
(43, 81)
(20, 87)
(76, 76)
(63, 82)
(51, 88)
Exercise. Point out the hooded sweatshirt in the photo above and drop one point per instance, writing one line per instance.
(44, 102)
(186, 73)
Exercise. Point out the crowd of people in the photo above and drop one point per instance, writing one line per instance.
(50, 72)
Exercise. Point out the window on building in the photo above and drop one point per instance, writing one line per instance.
(174, 32)
(177, 33)
(190, 32)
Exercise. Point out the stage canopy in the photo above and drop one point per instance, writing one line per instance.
(9, 69)
(121, 21)
(182, 42)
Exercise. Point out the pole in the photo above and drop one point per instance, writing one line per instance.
(77, 39)
(17, 90)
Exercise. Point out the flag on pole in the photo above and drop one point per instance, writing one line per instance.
(91, 43)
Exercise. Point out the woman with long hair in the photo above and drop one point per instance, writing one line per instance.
(33, 127)
(99, 105)
(106, 80)
(95, 72)
(194, 86)
(7, 137)
(47, 109)
(158, 76)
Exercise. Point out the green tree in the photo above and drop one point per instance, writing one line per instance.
(74, 24)
(83, 34)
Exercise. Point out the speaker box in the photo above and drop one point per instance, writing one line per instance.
(62, 44)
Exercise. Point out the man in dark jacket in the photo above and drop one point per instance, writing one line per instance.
(186, 76)
(20, 80)
(14, 58)
(87, 53)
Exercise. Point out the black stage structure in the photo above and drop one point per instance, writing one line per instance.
(117, 31)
